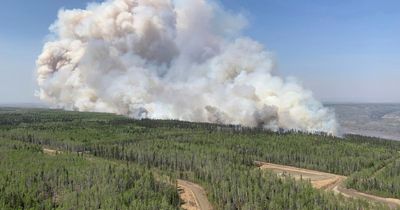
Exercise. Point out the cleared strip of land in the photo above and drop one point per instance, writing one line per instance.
(326, 181)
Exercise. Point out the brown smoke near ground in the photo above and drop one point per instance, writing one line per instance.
(182, 59)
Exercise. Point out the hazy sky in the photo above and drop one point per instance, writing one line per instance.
(343, 50)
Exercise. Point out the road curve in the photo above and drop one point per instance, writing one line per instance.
(193, 195)
(326, 181)
(391, 202)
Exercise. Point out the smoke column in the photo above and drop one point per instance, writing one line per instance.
(181, 59)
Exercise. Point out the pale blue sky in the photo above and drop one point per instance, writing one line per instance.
(343, 50)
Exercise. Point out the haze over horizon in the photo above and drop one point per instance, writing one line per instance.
(345, 51)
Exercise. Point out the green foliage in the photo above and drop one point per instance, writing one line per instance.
(30, 179)
(383, 180)
(221, 158)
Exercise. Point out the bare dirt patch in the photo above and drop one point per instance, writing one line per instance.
(48, 151)
(319, 180)
(326, 181)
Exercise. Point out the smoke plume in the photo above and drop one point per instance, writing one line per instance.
(170, 59)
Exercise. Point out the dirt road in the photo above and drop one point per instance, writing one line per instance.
(193, 195)
(326, 181)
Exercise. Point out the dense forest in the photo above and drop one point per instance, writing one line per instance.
(30, 179)
(114, 162)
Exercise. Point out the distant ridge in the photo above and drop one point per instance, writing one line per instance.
(380, 120)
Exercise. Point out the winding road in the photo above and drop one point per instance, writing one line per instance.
(195, 197)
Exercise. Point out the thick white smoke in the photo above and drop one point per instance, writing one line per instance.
(170, 60)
